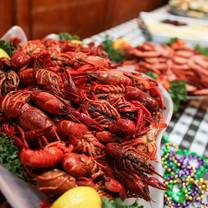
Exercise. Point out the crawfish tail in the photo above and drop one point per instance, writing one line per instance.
(44, 158)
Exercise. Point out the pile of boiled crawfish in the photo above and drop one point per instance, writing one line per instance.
(79, 121)
(176, 61)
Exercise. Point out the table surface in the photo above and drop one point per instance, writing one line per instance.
(189, 127)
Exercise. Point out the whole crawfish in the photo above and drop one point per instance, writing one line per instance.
(59, 106)
(81, 138)
(48, 157)
(15, 106)
(55, 182)
(134, 163)
(81, 165)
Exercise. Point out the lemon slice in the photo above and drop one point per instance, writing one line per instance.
(120, 43)
(3, 54)
(79, 197)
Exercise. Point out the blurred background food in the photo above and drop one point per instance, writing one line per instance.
(192, 8)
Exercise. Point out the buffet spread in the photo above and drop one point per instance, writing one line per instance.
(75, 114)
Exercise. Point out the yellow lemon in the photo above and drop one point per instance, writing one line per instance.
(120, 43)
(79, 197)
(76, 41)
(3, 54)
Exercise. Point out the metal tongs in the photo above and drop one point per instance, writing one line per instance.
(18, 193)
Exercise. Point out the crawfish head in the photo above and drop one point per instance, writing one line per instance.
(10, 83)
(129, 158)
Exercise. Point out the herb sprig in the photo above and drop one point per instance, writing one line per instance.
(115, 55)
(152, 75)
(178, 93)
(117, 203)
(67, 36)
(202, 50)
(171, 41)
(9, 156)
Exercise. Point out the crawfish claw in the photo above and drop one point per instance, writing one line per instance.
(154, 182)
(114, 186)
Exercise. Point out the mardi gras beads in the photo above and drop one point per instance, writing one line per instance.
(183, 172)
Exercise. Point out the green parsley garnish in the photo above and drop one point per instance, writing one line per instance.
(178, 93)
(115, 55)
(152, 75)
(202, 50)
(67, 36)
(171, 41)
(117, 203)
(9, 156)
(8, 47)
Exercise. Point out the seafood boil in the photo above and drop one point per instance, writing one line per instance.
(77, 120)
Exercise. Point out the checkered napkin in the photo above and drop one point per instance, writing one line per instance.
(189, 127)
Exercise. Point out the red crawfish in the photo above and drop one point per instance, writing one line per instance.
(9, 81)
(23, 55)
(108, 116)
(146, 143)
(81, 165)
(48, 157)
(78, 59)
(81, 138)
(104, 186)
(131, 93)
(15, 106)
(117, 77)
(106, 136)
(55, 80)
(133, 162)
(55, 182)
(59, 106)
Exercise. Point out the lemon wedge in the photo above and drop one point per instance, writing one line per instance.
(79, 197)
(3, 54)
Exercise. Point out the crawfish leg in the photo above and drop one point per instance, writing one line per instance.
(10, 130)
(83, 118)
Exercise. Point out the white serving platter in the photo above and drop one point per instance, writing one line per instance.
(13, 32)
(156, 194)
